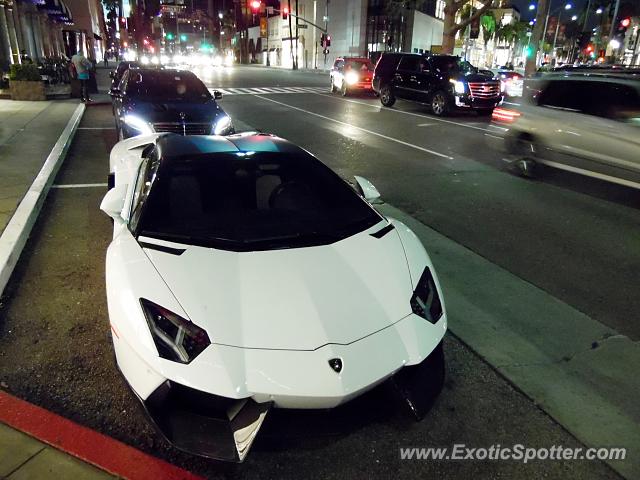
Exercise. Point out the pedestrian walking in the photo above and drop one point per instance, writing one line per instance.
(82, 67)
(106, 60)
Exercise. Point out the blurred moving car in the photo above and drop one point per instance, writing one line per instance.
(444, 82)
(351, 74)
(587, 124)
(149, 100)
(245, 275)
(511, 82)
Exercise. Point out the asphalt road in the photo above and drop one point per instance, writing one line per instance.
(564, 234)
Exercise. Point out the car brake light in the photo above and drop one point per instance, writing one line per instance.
(504, 115)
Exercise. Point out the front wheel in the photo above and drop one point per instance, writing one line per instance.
(524, 151)
(344, 91)
(333, 86)
(387, 98)
(440, 103)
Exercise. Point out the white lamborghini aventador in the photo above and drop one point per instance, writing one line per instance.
(245, 275)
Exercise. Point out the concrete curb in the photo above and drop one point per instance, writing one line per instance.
(17, 231)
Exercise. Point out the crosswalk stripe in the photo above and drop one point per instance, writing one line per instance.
(267, 90)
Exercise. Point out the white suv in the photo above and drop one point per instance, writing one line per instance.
(584, 123)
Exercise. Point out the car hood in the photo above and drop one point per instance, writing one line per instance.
(475, 77)
(291, 299)
(153, 112)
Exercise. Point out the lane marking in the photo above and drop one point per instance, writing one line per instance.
(407, 144)
(80, 185)
(94, 128)
(511, 103)
(380, 108)
(425, 124)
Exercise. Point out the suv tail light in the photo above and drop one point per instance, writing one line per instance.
(504, 115)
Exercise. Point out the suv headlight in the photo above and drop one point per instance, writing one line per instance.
(458, 86)
(138, 124)
(176, 338)
(425, 301)
(222, 125)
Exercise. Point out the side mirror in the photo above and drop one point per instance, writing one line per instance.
(217, 94)
(367, 190)
(113, 202)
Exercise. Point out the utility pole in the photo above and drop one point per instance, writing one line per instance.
(293, 60)
(295, 63)
(537, 37)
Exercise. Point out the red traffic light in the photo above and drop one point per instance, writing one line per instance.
(255, 5)
(625, 22)
(285, 13)
(590, 48)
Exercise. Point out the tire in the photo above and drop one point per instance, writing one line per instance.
(333, 86)
(344, 91)
(387, 98)
(523, 150)
(440, 103)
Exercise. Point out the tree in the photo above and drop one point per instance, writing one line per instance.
(451, 10)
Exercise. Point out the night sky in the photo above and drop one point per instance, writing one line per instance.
(526, 14)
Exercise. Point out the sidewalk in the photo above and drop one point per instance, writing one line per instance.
(28, 132)
(24, 457)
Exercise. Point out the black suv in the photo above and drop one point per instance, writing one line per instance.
(445, 82)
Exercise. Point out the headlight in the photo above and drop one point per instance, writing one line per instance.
(138, 124)
(425, 301)
(155, 60)
(351, 78)
(458, 86)
(221, 125)
(144, 60)
(164, 59)
(176, 339)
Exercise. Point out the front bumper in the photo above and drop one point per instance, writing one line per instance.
(468, 101)
(224, 429)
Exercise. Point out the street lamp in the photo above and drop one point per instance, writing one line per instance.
(599, 10)
(532, 7)
(574, 18)
(555, 38)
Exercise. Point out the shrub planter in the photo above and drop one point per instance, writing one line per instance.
(27, 90)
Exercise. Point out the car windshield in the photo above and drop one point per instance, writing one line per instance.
(453, 65)
(167, 85)
(252, 201)
(360, 65)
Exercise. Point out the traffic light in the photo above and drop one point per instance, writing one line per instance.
(325, 40)
(621, 29)
(328, 41)
(285, 11)
(528, 51)
(183, 37)
(255, 6)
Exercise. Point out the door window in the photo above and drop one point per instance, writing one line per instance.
(410, 63)
(563, 94)
(614, 101)
(144, 182)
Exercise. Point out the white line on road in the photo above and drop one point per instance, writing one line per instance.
(380, 108)
(80, 185)
(94, 128)
(425, 124)
(358, 128)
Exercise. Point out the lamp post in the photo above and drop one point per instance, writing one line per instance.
(555, 38)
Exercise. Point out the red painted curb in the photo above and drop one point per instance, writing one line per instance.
(88, 445)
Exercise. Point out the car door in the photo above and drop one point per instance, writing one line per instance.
(608, 136)
(406, 77)
(425, 81)
(117, 97)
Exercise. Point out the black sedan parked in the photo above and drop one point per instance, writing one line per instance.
(151, 100)
(116, 75)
